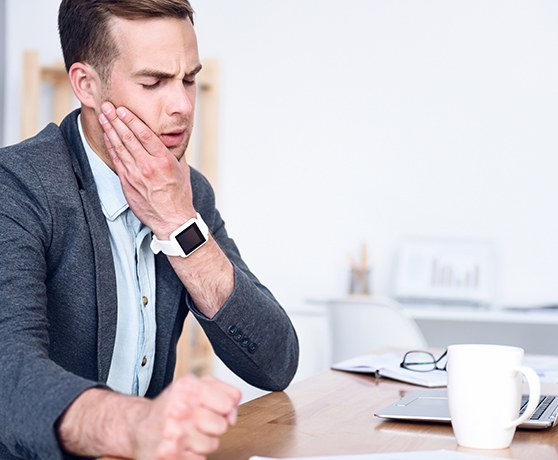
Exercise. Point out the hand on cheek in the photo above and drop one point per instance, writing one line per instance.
(157, 187)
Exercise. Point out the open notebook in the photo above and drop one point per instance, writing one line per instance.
(387, 365)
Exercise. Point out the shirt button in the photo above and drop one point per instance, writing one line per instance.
(144, 300)
(144, 361)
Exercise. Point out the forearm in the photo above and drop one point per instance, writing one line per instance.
(99, 423)
(207, 275)
(253, 335)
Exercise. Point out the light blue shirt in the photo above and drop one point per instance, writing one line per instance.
(134, 263)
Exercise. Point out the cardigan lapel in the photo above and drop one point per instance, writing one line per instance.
(169, 298)
(105, 278)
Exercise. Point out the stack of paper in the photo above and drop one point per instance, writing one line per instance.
(425, 455)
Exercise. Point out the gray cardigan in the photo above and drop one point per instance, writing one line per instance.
(58, 296)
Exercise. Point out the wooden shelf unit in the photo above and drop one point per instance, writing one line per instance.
(34, 76)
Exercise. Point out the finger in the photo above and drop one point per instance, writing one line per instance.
(207, 392)
(205, 420)
(220, 393)
(167, 448)
(184, 434)
(119, 167)
(232, 417)
(217, 409)
(112, 154)
(199, 443)
(209, 423)
(192, 456)
(118, 151)
(142, 133)
(193, 429)
(171, 449)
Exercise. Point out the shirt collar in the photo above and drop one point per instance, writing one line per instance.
(109, 188)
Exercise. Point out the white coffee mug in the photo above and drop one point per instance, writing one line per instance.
(484, 394)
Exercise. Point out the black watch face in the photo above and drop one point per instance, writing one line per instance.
(190, 239)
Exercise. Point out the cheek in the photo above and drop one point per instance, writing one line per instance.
(144, 106)
(145, 112)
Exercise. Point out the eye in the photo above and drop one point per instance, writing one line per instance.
(151, 86)
(189, 82)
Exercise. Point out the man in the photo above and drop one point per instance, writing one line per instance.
(107, 240)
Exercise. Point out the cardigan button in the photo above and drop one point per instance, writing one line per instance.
(239, 336)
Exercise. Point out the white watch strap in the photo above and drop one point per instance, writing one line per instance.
(168, 247)
(171, 247)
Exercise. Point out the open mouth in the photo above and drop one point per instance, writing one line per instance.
(173, 139)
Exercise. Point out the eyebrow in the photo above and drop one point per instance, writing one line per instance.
(164, 75)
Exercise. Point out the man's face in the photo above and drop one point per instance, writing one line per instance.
(154, 76)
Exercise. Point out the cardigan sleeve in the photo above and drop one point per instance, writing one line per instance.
(35, 389)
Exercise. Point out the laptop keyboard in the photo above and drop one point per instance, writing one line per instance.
(544, 402)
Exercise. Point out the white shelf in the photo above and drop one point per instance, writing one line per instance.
(450, 313)
(446, 324)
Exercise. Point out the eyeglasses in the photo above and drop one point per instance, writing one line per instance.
(423, 361)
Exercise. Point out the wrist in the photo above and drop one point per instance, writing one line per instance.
(164, 230)
(184, 240)
(101, 422)
(138, 412)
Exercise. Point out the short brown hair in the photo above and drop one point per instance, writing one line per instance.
(84, 27)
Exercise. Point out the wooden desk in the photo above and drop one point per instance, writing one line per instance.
(333, 413)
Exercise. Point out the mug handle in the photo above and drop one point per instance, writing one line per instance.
(534, 394)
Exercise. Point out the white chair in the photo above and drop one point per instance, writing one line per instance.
(362, 325)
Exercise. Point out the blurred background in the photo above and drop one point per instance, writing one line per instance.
(366, 123)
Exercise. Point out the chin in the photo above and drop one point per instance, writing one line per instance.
(178, 152)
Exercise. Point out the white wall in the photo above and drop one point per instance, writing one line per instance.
(371, 120)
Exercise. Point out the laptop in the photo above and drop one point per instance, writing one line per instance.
(432, 406)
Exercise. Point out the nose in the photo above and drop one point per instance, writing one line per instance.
(181, 99)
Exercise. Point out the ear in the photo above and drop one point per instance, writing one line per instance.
(86, 84)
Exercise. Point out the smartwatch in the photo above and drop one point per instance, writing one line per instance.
(190, 236)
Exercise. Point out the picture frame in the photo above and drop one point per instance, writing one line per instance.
(446, 271)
